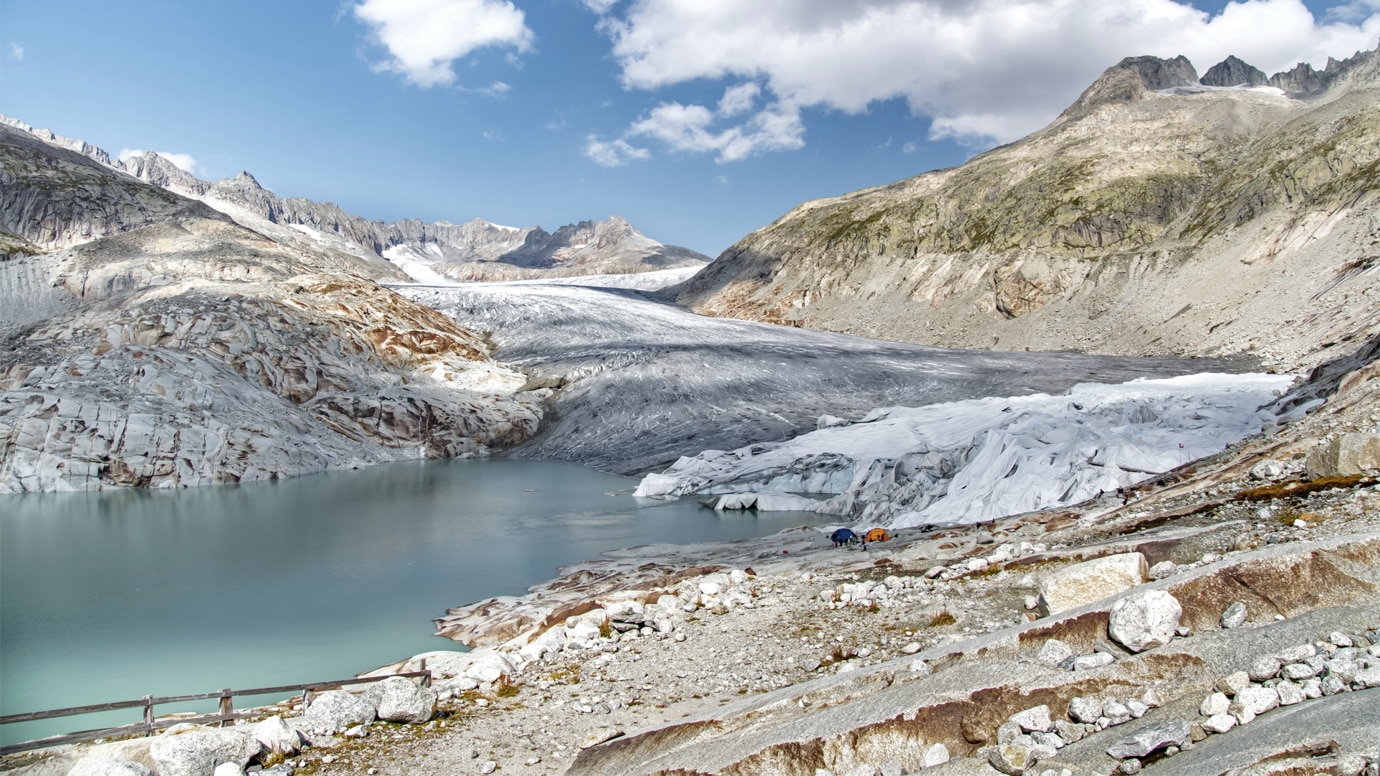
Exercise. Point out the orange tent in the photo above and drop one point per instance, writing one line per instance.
(877, 535)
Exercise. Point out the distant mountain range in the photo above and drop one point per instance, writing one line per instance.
(440, 251)
(1161, 213)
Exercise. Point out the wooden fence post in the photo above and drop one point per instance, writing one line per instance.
(148, 715)
(227, 705)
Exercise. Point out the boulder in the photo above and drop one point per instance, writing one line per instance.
(1234, 616)
(1054, 652)
(488, 667)
(194, 750)
(1214, 704)
(935, 756)
(1085, 709)
(1253, 701)
(337, 710)
(1150, 738)
(1090, 581)
(1034, 719)
(1016, 757)
(1144, 619)
(396, 699)
(277, 736)
(1346, 455)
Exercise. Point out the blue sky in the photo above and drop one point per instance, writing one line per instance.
(698, 120)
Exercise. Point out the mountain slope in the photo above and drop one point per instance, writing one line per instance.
(1156, 215)
(439, 252)
(149, 340)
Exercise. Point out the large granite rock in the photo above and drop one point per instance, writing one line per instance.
(1345, 455)
(193, 750)
(1083, 583)
(1144, 619)
(397, 699)
(337, 710)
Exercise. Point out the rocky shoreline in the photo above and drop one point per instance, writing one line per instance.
(982, 649)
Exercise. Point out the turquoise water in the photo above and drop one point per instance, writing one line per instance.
(112, 596)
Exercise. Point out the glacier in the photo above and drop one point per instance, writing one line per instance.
(635, 383)
(980, 459)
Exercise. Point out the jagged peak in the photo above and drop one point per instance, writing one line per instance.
(1132, 79)
(1232, 71)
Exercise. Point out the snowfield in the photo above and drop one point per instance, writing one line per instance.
(978, 460)
(637, 384)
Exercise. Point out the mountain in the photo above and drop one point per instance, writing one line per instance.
(149, 340)
(1156, 215)
(435, 252)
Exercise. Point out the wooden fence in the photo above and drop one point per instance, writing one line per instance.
(151, 722)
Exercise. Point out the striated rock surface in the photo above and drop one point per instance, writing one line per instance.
(1131, 224)
(179, 348)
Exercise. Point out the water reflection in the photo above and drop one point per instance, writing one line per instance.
(114, 595)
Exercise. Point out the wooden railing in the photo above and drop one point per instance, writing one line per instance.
(151, 722)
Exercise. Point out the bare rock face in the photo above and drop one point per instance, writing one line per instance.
(183, 349)
(1346, 455)
(1233, 72)
(1240, 215)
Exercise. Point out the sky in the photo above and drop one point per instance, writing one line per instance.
(697, 120)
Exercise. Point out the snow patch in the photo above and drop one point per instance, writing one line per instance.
(1177, 91)
(308, 231)
(417, 267)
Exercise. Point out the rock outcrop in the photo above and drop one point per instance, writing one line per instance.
(1129, 225)
(1233, 72)
(173, 347)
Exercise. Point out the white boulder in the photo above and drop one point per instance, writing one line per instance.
(1144, 619)
(194, 750)
(396, 699)
(1090, 581)
(337, 710)
(277, 736)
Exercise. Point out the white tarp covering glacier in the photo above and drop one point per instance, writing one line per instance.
(976, 460)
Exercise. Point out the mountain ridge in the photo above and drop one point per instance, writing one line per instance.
(441, 250)
(1123, 227)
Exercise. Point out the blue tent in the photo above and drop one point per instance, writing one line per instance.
(842, 535)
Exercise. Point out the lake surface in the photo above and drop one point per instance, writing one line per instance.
(112, 596)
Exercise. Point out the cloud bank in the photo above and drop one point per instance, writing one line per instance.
(983, 72)
(424, 37)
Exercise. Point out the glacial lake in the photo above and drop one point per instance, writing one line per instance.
(116, 595)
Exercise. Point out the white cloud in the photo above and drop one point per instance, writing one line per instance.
(738, 99)
(185, 162)
(693, 128)
(600, 7)
(16, 52)
(614, 153)
(424, 37)
(985, 72)
(910, 147)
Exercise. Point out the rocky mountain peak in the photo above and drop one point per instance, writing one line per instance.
(1131, 79)
(1233, 72)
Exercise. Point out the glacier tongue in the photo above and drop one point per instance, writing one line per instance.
(977, 460)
